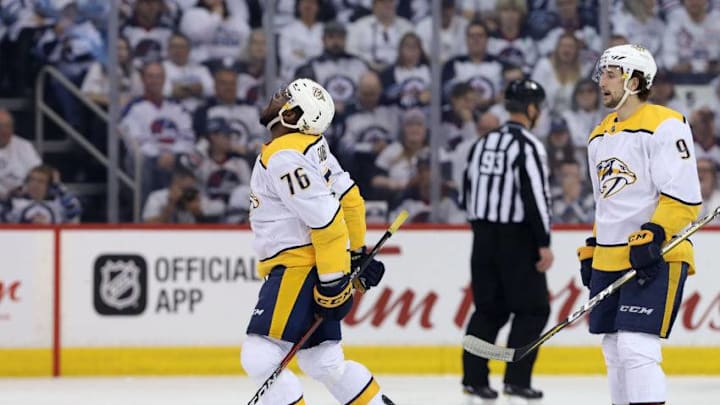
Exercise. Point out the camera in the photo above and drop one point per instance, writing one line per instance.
(188, 195)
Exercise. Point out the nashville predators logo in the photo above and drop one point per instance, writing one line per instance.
(254, 201)
(613, 175)
(318, 94)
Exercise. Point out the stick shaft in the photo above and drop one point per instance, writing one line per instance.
(402, 216)
(488, 350)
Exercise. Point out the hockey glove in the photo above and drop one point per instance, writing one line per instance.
(373, 273)
(585, 255)
(333, 299)
(645, 251)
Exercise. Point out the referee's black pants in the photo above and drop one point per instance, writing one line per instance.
(504, 282)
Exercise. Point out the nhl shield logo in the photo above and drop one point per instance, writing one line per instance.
(120, 284)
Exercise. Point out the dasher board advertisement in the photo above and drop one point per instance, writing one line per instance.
(26, 288)
(199, 287)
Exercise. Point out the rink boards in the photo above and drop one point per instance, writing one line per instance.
(146, 300)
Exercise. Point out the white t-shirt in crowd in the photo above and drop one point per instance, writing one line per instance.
(16, 160)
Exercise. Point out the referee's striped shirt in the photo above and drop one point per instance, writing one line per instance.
(506, 180)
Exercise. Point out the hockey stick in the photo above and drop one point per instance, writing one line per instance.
(401, 217)
(487, 350)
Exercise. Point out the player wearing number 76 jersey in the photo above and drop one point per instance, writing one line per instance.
(308, 219)
(646, 189)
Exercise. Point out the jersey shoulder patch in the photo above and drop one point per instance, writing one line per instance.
(295, 141)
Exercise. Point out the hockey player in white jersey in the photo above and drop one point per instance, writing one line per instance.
(646, 189)
(306, 212)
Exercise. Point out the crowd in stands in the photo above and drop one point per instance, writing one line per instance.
(192, 84)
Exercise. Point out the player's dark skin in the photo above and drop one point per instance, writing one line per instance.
(271, 111)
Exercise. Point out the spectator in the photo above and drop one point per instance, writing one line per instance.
(240, 117)
(584, 112)
(475, 9)
(369, 128)
(713, 102)
(407, 82)
(452, 32)
(663, 93)
(570, 20)
(708, 173)
(215, 33)
(690, 43)
(617, 39)
(375, 37)
(286, 11)
(220, 170)
(476, 68)
(22, 25)
(156, 130)
(458, 124)
(300, 40)
(484, 123)
(96, 85)
(560, 72)
(185, 81)
(396, 165)
(71, 46)
(238, 208)
(509, 73)
(413, 10)
(147, 34)
(702, 122)
(511, 44)
(181, 202)
(336, 70)
(574, 204)
(350, 10)
(636, 21)
(560, 149)
(251, 79)
(42, 200)
(416, 199)
(95, 11)
(17, 156)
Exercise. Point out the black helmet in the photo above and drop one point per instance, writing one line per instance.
(521, 93)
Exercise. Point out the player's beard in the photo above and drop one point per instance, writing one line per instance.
(613, 101)
(267, 115)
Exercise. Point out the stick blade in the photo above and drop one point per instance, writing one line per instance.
(486, 350)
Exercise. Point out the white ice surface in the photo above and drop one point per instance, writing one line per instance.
(236, 390)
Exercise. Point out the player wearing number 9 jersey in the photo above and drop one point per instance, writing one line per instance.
(646, 189)
(307, 216)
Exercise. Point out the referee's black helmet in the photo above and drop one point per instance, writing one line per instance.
(519, 94)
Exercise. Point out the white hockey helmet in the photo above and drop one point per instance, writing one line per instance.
(630, 59)
(318, 108)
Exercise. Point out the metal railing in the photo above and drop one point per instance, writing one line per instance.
(42, 109)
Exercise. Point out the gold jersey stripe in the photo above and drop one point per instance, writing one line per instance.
(295, 141)
(290, 285)
(675, 271)
(367, 394)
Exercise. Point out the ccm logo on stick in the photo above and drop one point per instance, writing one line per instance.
(636, 310)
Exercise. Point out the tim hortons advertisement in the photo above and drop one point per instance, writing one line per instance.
(198, 287)
(26, 293)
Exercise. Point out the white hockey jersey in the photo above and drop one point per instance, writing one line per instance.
(157, 128)
(643, 169)
(304, 206)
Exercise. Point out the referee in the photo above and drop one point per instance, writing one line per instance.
(506, 197)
